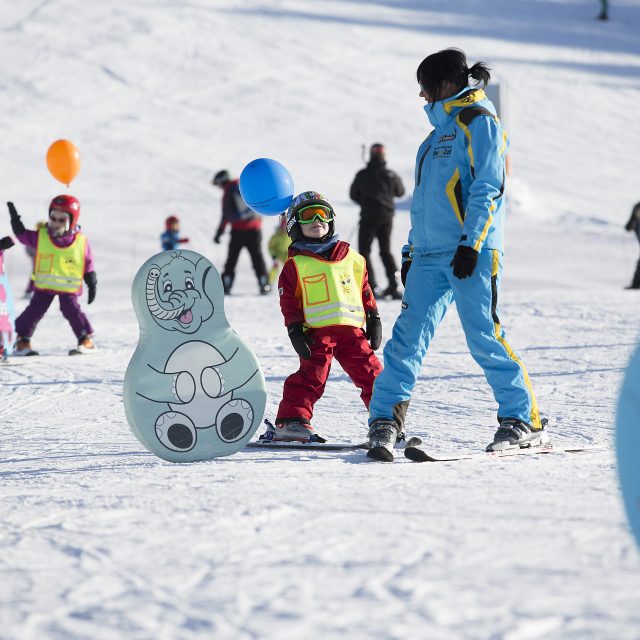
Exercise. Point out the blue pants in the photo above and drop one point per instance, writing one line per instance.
(431, 287)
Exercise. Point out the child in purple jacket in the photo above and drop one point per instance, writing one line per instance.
(63, 260)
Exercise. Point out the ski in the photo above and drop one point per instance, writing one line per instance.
(416, 454)
(306, 446)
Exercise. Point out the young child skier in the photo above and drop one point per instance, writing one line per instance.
(63, 260)
(171, 237)
(5, 299)
(326, 301)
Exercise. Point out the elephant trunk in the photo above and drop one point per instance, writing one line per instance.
(156, 309)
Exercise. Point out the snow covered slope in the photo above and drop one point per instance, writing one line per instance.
(100, 539)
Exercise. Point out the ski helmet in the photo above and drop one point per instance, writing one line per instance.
(69, 205)
(221, 177)
(307, 199)
(170, 221)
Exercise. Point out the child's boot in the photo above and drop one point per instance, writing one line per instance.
(22, 347)
(85, 344)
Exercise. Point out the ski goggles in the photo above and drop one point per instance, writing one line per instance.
(314, 212)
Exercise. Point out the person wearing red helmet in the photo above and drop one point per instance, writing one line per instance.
(62, 262)
(170, 239)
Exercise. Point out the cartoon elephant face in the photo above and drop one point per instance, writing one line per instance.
(176, 294)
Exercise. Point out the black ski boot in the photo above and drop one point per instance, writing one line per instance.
(516, 433)
(383, 435)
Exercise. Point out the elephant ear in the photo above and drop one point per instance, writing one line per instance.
(211, 287)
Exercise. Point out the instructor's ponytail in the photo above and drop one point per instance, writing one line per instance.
(480, 73)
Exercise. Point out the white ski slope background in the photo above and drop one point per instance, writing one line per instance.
(100, 539)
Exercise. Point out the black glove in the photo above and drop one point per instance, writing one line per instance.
(218, 235)
(373, 332)
(6, 243)
(404, 270)
(91, 281)
(16, 224)
(464, 262)
(300, 340)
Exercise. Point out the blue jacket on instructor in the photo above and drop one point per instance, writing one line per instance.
(459, 185)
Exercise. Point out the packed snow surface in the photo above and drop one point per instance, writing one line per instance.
(100, 539)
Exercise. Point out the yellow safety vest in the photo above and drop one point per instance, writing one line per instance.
(331, 291)
(59, 268)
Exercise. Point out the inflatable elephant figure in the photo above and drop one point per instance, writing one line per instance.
(193, 390)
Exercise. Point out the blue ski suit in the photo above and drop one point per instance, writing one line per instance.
(457, 200)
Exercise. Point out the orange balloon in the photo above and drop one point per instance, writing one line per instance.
(63, 161)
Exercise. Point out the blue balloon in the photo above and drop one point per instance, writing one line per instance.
(266, 186)
(628, 443)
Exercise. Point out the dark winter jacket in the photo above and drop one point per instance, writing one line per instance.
(235, 211)
(374, 189)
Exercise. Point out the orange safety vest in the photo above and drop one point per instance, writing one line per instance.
(331, 291)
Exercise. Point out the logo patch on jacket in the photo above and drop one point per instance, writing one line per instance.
(346, 283)
(447, 137)
(442, 152)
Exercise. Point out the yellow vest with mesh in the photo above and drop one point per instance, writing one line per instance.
(332, 291)
(59, 268)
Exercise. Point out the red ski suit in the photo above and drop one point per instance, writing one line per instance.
(347, 344)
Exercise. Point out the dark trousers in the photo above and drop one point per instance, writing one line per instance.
(380, 229)
(27, 321)
(252, 240)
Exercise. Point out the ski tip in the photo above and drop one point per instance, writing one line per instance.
(416, 455)
(380, 454)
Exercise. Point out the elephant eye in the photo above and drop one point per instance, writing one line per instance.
(167, 286)
(188, 283)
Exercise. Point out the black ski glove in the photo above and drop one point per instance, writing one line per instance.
(6, 243)
(373, 332)
(300, 340)
(464, 262)
(91, 281)
(404, 270)
(218, 235)
(16, 224)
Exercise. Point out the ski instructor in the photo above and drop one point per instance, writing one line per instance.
(454, 254)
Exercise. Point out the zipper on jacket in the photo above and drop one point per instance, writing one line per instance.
(424, 155)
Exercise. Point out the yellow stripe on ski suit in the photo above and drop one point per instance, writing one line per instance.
(534, 416)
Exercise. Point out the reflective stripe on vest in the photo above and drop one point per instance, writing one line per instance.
(59, 268)
(331, 291)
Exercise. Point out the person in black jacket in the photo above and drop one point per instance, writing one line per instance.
(374, 189)
(246, 231)
(634, 225)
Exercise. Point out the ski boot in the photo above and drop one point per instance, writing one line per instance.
(265, 287)
(392, 293)
(85, 344)
(22, 347)
(290, 431)
(514, 433)
(383, 435)
(227, 283)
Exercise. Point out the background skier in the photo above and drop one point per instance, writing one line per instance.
(634, 225)
(374, 189)
(170, 239)
(245, 232)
